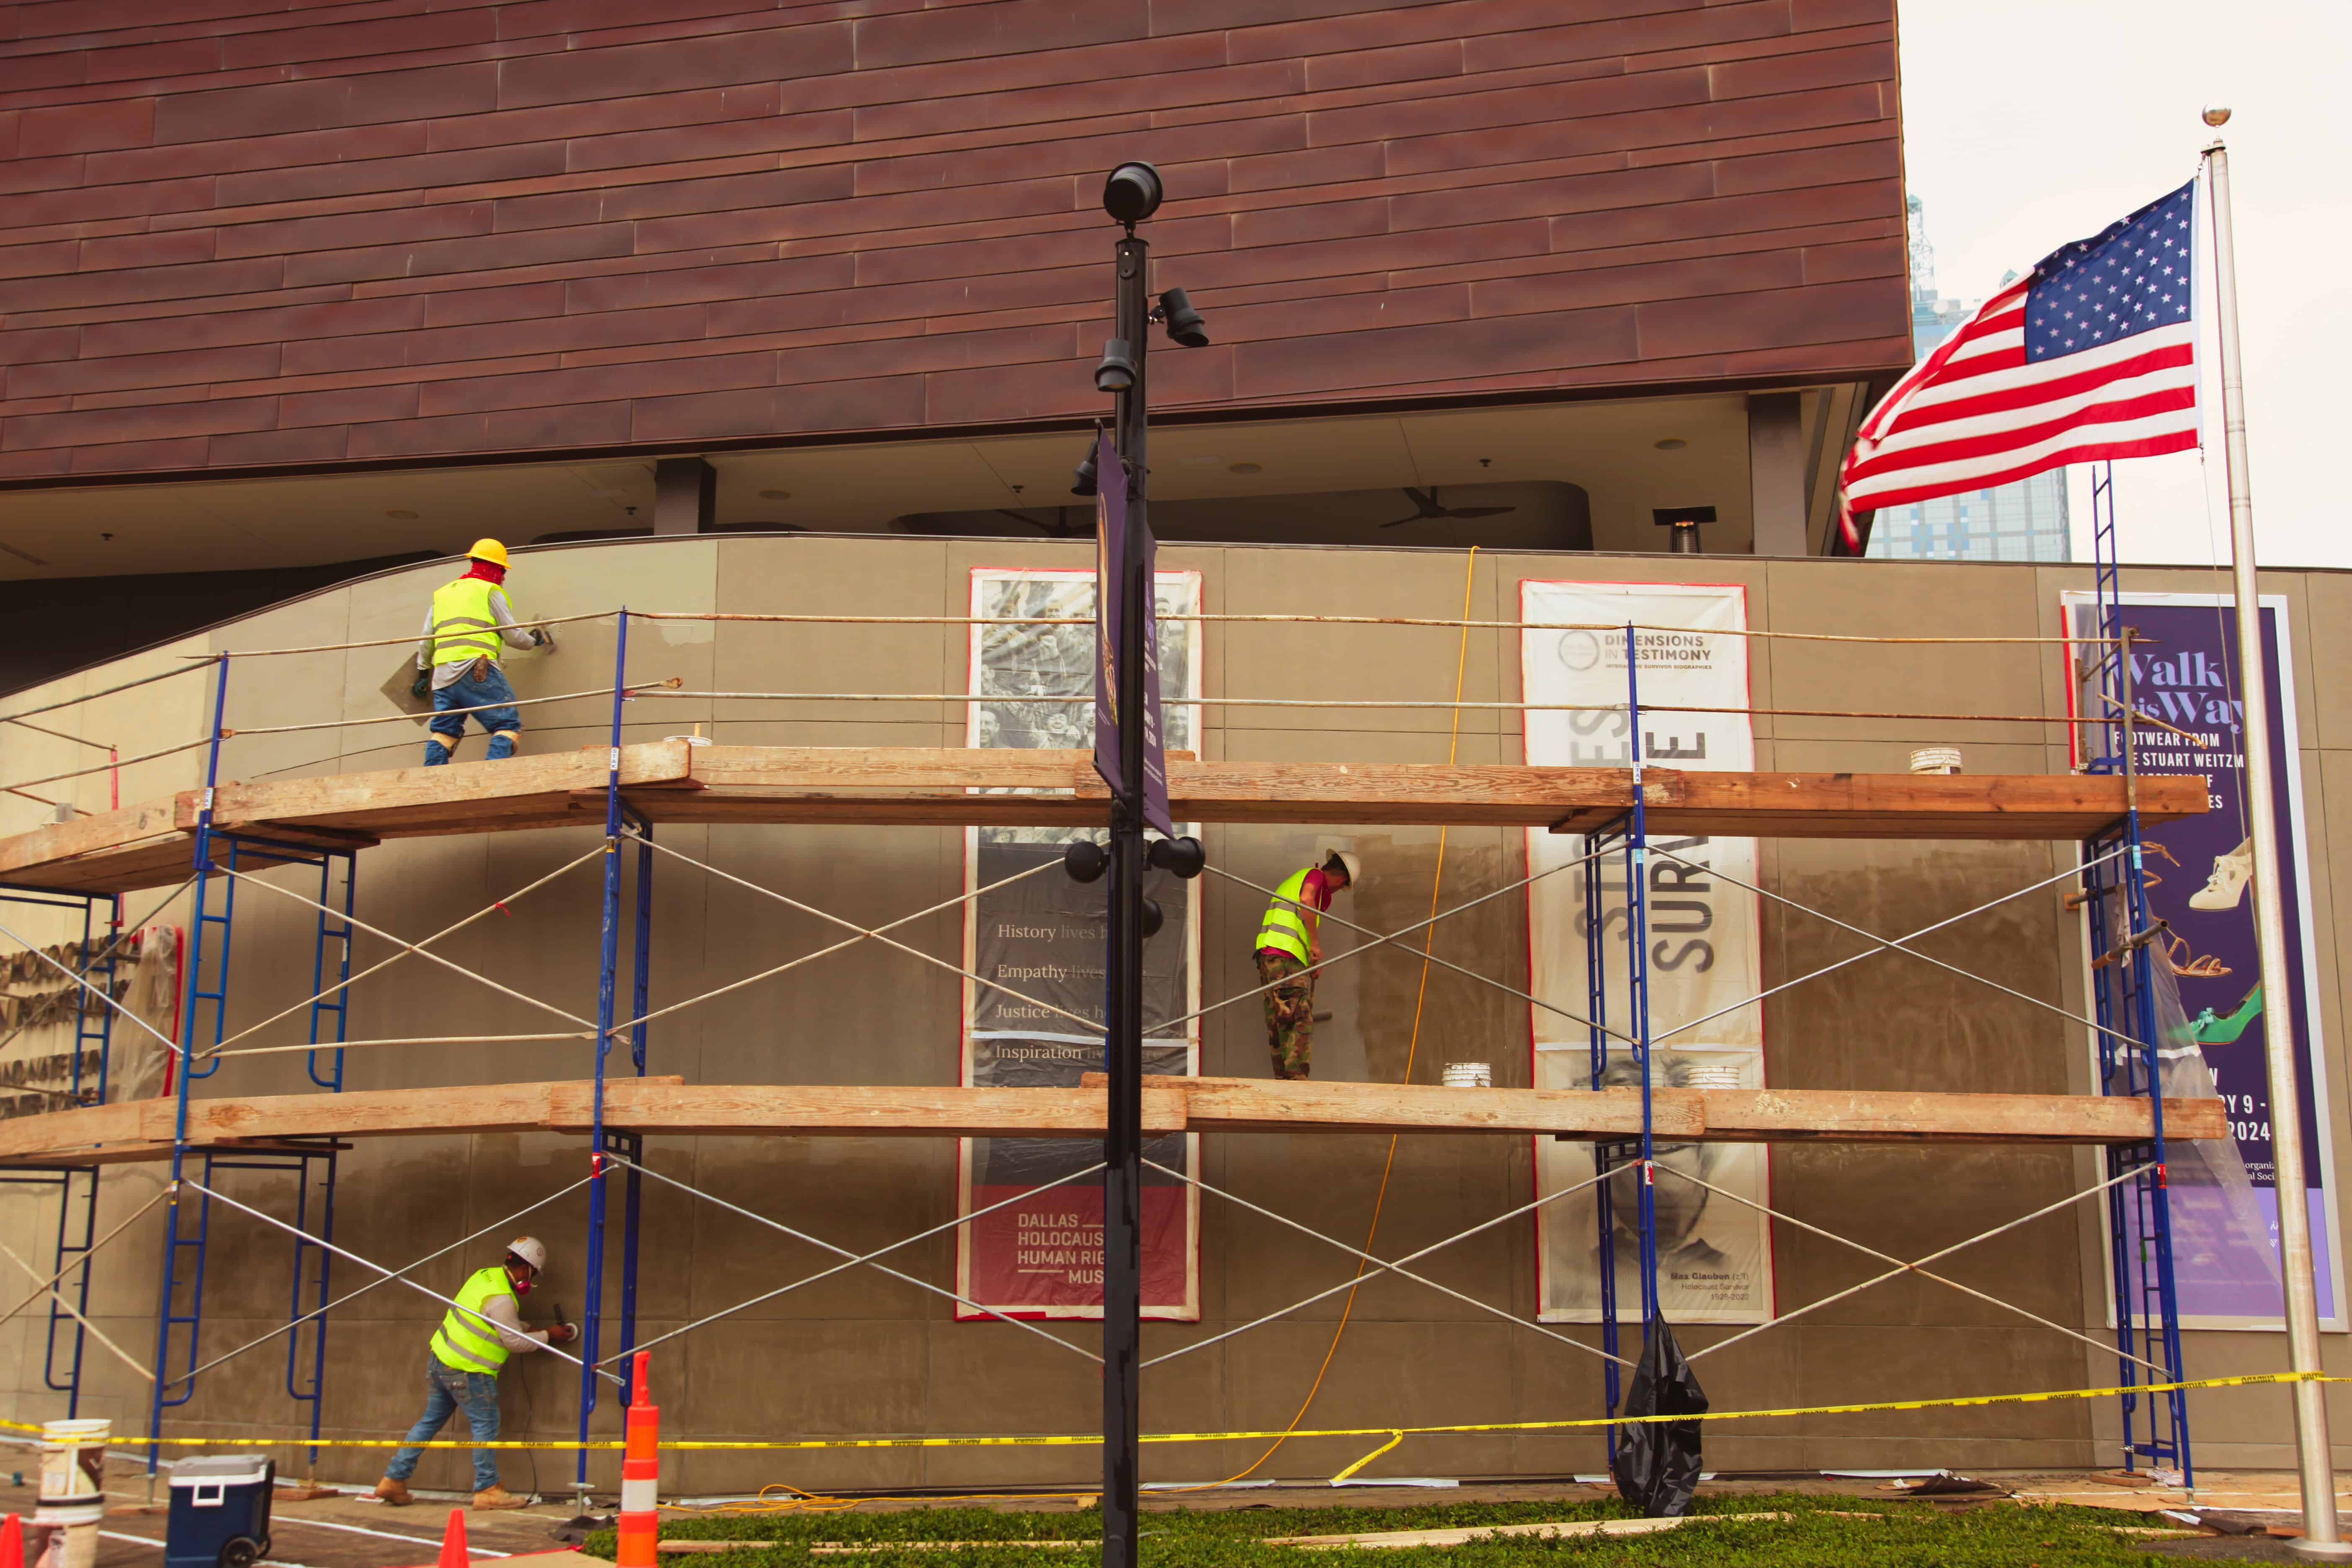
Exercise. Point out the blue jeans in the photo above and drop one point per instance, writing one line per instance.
(447, 1391)
(492, 700)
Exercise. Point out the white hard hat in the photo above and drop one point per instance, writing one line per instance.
(1355, 868)
(532, 1250)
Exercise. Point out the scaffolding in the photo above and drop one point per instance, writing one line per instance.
(76, 1186)
(1616, 817)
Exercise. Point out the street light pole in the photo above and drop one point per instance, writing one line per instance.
(1123, 1136)
(1126, 753)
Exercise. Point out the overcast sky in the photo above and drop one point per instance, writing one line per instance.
(2028, 124)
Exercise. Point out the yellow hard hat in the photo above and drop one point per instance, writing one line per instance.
(489, 550)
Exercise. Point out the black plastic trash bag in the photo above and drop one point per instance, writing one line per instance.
(1655, 1463)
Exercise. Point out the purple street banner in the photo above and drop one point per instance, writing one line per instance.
(2224, 1196)
(1110, 608)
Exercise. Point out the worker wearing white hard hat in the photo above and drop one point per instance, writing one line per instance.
(468, 626)
(476, 1336)
(1289, 946)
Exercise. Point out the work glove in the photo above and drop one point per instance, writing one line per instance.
(562, 1333)
(538, 637)
(422, 687)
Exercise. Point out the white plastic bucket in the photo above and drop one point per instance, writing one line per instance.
(1469, 1075)
(73, 1492)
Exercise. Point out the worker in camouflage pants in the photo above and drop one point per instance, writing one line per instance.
(1290, 944)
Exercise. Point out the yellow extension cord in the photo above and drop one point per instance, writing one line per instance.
(1413, 1046)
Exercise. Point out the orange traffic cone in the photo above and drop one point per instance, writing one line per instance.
(453, 1545)
(640, 1521)
(12, 1542)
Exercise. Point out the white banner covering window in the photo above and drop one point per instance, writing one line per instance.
(1715, 1260)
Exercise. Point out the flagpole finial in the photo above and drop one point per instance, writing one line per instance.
(2217, 115)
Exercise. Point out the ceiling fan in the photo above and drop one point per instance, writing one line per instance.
(1427, 510)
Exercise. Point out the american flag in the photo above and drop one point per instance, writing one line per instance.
(2094, 356)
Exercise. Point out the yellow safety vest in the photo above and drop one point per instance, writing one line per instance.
(467, 1339)
(463, 627)
(1284, 928)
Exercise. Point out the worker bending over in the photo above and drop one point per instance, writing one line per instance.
(1290, 943)
(474, 1341)
(457, 661)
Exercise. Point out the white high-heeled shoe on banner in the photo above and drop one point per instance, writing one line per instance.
(2231, 872)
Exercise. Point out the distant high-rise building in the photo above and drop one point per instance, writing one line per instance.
(2024, 521)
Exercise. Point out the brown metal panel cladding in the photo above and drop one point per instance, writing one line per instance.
(85, 127)
(410, 231)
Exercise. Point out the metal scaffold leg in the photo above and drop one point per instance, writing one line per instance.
(618, 816)
(1630, 840)
(2139, 1216)
(175, 1240)
(186, 1242)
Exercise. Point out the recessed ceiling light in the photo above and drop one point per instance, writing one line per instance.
(775, 495)
(402, 514)
(1248, 468)
(1671, 444)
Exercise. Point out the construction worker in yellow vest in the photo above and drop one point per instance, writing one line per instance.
(1289, 943)
(458, 659)
(473, 1342)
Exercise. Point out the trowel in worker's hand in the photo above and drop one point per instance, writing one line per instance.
(400, 690)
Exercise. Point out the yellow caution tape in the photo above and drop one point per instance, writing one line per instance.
(1092, 1440)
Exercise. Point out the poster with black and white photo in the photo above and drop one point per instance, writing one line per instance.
(1704, 956)
(1040, 940)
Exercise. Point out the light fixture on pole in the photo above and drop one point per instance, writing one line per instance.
(1185, 328)
(1683, 520)
(1116, 373)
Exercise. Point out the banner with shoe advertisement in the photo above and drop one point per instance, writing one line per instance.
(2200, 880)
(1042, 939)
(1714, 1257)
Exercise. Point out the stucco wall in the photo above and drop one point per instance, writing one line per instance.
(864, 1355)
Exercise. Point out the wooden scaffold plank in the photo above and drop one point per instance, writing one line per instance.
(142, 1130)
(669, 780)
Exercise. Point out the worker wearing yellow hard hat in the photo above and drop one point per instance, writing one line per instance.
(468, 625)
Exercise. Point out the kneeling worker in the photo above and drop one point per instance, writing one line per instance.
(475, 1338)
(1291, 941)
(457, 661)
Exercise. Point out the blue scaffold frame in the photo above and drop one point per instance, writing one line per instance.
(1625, 841)
(221, 856)
(2147, 1318)
(87, 1083)
(2115, 898)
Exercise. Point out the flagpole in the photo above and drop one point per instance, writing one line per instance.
(2314, 1459)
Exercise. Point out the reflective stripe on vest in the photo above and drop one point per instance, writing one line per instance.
(467, 1339)
(1284, 928)
(463, 627)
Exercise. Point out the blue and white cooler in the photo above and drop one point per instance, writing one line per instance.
(220, 1512)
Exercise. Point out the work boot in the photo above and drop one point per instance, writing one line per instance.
(497, 1497)
(394, 1493)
